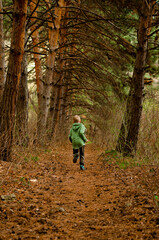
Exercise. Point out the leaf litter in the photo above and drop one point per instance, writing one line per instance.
(54, 199)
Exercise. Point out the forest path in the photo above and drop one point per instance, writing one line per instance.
(56, 200)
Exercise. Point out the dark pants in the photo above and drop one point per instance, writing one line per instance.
(76, 155)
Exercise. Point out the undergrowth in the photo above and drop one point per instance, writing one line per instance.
(112, 157)
(146, 171)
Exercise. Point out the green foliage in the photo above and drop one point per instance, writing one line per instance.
(112, 152)
(26, 159)
(24, 181)
(107, 52)
(31, 158)
(35, 158)
(113, 157)
(48, 151)
(156, 199)
(7, 23)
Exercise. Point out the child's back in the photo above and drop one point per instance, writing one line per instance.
(78, 140)
(77, 135)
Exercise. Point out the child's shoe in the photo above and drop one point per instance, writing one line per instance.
(82, 167)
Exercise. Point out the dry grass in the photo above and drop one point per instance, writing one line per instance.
(148, 141)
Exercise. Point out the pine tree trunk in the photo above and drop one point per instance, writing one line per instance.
(58, 79)
(128, 135)
(22, 107)
(7, 115)
(37, 60)
(58, 90)
(53, 45)
(64, 104)
(2, 61)
(64, 100)
(57, 104)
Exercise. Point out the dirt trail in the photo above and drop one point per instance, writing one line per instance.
(56, 200)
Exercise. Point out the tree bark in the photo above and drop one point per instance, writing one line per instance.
(2, 61)
(58, 91)
(57, 104)
(53, 45)
(37, 60)
(7, 115)
(58, 80)
(128, 136)
(64, 104)
(22, 107)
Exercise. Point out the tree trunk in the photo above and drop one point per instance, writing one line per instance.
(2, 61)
(53, 45)
(22, 107)
(58, 93)
(57, 104)
(61, 79)
(64, 112)
(7, 116)
(58, 77)
(63, 102)
(37, 60)
(128, 136)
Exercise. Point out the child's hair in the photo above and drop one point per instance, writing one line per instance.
(76, 119)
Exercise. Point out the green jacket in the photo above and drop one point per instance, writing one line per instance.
(77, 136)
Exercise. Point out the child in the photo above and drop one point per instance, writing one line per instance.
(78, 140)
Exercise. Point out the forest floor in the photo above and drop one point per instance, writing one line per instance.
(43, 195)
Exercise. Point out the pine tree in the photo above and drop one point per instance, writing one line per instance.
(7, 115)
